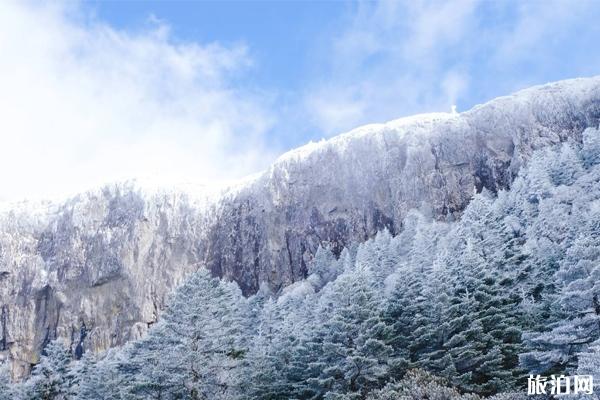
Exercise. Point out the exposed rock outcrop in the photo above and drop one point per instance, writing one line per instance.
(97, 269)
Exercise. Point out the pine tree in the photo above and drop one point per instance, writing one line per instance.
(589, 364)
(556, 350)
(591, 146)
(323, 268)
(351, 353)
(263, 375)
(418, 385)
(296, 351)
(156, 366)
(478, 331)
(51, 378)
(565, 166)
(8, 390)
(81, 371)
(101, 378)
(193, 350)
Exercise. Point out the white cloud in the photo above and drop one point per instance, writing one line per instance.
(82, 103)
(395, 58)
(390, 61)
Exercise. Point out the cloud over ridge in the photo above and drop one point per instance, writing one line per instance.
(84, 103)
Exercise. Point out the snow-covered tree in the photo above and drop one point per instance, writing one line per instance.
(579, 299)
(418, 385)
(324, 267)
(589, 364)
(51, 378)
(193, 349)
(565, 166)
(591, 146)
(263, 374)
(350, 353)
(8, 390)
(104, 378)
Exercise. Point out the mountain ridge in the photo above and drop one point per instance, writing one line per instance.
(98, 270)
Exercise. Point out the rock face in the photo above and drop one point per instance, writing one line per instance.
(97, 269)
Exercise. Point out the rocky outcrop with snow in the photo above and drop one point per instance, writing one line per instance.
(98, 268)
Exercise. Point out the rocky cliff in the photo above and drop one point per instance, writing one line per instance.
(97, 268)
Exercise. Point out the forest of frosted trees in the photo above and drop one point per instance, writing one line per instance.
(444, 310)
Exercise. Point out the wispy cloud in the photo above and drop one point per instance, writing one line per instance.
(83, 103)
(395, 58)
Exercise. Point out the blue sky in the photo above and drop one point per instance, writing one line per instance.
(281, 35)
(99, 91)
(294, 45)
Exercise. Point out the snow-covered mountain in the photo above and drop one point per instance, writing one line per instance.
(97, 268)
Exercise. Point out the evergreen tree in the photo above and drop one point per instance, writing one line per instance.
(51, 378)
(419, 385)
(102, 378)
(591, 146)
(565, 166)
(263, 373)
(478, 332)
(589, 364)
(295, 351)
(8, 390)
(192, 352)
(351, 354)
(556, 350)
(323, 268)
